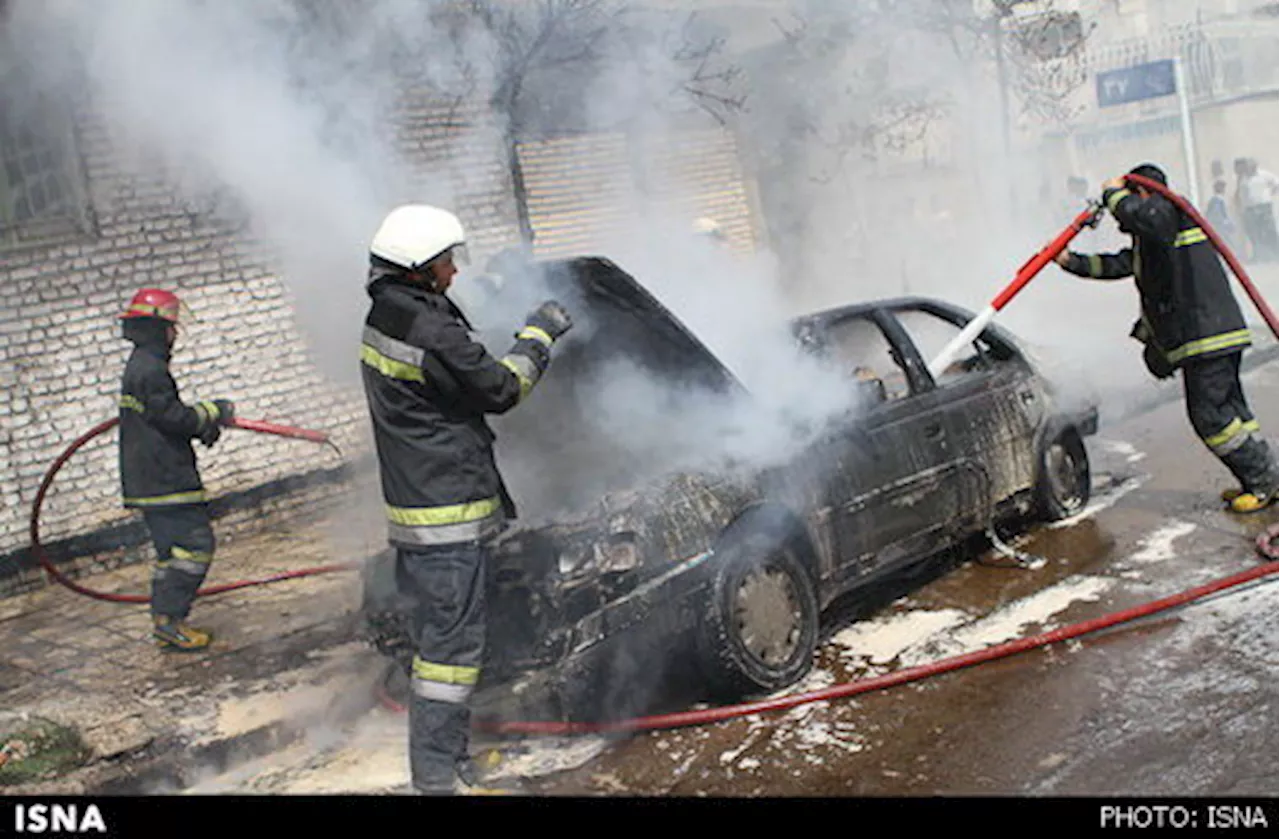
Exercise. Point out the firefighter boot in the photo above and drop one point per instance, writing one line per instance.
(173, 634)
(470, 780)
(1252, 502)
(1256, 498)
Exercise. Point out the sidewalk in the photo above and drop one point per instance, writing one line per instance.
(285, 658)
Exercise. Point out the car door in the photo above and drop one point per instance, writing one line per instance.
(891, 490)
(991, 406)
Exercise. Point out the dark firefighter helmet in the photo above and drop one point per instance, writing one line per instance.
(1151, 172)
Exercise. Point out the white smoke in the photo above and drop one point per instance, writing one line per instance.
(266, 112)
(291, 116)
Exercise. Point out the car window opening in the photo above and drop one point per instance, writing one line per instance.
(931, 333)
(860, 348)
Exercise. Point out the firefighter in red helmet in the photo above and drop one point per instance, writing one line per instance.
(158, 470)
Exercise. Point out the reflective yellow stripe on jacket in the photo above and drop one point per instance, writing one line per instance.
(444, 525)
(1224, 341)
(161, 500)
(1190, 236)
(391, 357)
(1116, 197)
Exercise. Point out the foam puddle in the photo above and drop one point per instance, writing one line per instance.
(920, 637)
(1158, 545)
(907, 638)
(549, 756)
(880, 642)
(1008, 623)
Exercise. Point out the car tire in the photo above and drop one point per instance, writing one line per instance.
(1063, 487)
(761, 627)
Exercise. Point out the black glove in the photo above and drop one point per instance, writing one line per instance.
(210, 434)
(551, 318)
(226, 411)
(1157, 364)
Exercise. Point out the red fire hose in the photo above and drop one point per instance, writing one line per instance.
(910, 674)
(710, 715)
(1221, 246)
(101, 428)
(1025, 274)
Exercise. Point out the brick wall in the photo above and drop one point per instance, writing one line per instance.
(61, 354)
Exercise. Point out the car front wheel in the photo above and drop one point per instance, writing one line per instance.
(761, 629)
(1063, 488)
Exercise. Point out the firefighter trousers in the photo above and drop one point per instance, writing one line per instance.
(1220, 414)
(184, 543)
(447, 586)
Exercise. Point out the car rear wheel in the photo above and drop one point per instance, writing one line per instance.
(1064, 484)
(761, 629)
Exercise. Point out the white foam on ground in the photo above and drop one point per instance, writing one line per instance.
(881, 640)
(548, 756)
(1158, 545)
(1008, 622)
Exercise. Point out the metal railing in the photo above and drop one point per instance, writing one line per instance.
(1220, 60)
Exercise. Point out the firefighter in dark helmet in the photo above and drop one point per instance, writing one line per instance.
(429, 385)
(158, 469)
(1189, 321)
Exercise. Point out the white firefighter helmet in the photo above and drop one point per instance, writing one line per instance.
(414, 234)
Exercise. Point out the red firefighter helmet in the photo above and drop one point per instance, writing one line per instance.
(155, 303)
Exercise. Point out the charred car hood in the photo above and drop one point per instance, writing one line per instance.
(619, 319)
(620, 403)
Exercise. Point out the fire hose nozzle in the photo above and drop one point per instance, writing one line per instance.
(1096, 216)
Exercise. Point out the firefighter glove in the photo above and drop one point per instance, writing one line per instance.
(210, 434)
(551, 318)
(226, 411)
(1157, 364)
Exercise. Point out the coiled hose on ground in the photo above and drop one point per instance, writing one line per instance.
(258, 426)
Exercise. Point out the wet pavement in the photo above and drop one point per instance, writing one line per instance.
(282, 654)
(1181, 702)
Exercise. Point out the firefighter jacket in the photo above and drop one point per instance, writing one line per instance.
(1187, 308)
(429, 386)
(157, 460)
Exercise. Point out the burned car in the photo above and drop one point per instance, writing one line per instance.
(610, 597)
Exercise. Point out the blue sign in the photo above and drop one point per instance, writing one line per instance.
(1132, 84)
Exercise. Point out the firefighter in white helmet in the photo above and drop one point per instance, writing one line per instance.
(429, 385)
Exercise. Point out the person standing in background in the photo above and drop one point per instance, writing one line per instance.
(1219, 216)
(1258, 189)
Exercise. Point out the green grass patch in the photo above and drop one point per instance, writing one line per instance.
(37, 749)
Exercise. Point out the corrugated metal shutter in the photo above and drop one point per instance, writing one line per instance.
(583, 189)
